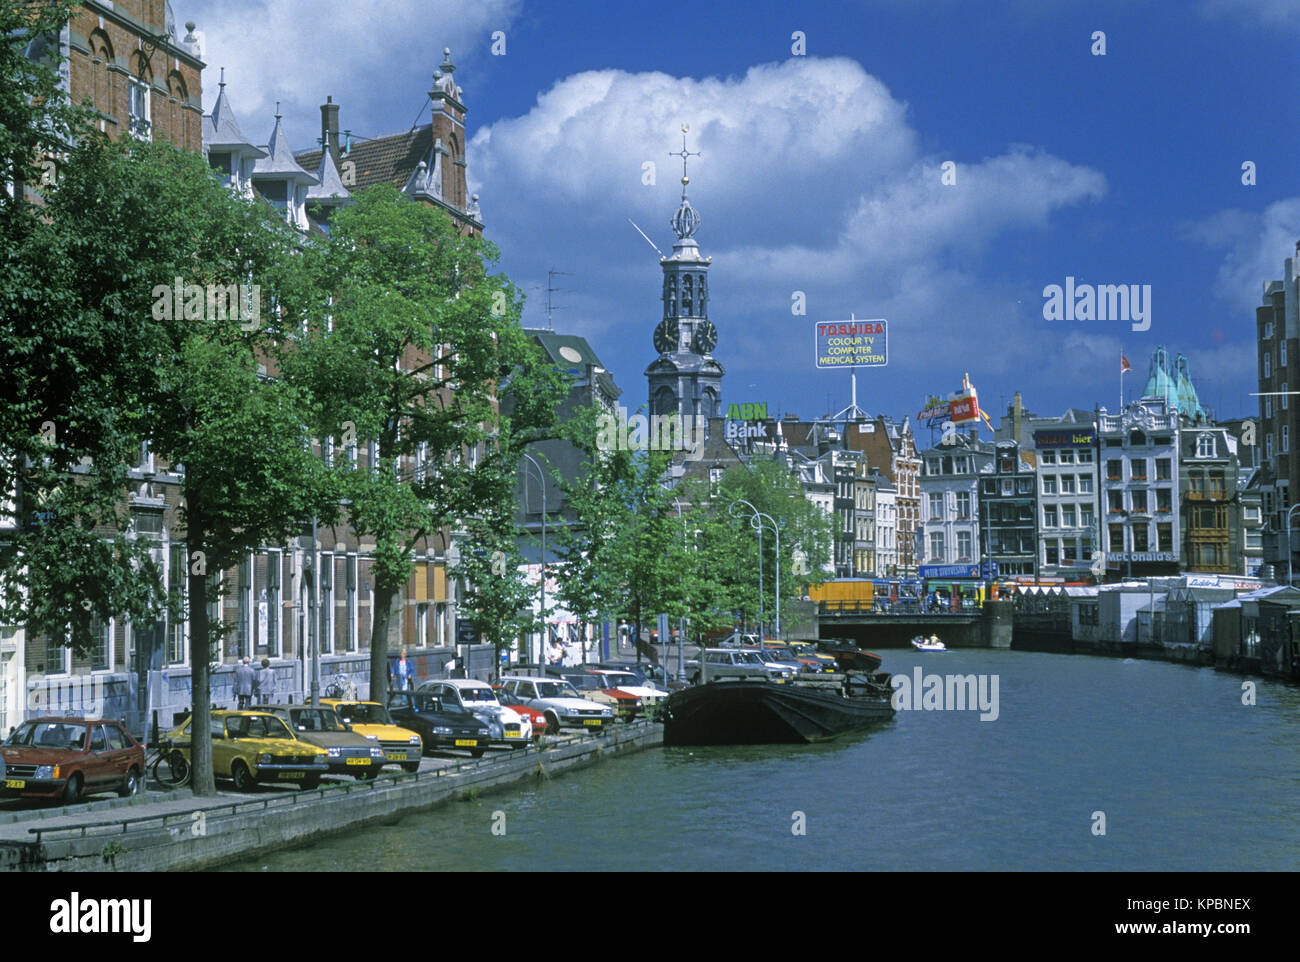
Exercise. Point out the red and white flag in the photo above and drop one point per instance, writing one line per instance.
(1123, 365)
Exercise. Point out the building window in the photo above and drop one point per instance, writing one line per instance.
(936, 546)
(1047, 457)
(353, 572)
(1281, 360)
(274, 605)
(1067, 516)
(1115, 501)
(1163, 505)
(1049, 516)
(1085, 484)
(1067, 484)
(1084, 455)
(1205, 445)
(1067, 457)
(963, 504)
(1138, 469)
(963, 546)
(1165, 536)
(1141, 538)
(1140, 502)
(1286, 439)
(1268, 367)
(1086, 517)
(101, 656)
(1113, 470)
(1049, 484)
(177, 584)
(1268, 445)
(936, 506)
(1163, 468)
(1282, 403)
(1052, 553)
(138, 109)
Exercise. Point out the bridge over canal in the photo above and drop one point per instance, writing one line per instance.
(987, 627)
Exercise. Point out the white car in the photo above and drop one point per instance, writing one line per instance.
(506, 726)
(651, 697)
(559, 701)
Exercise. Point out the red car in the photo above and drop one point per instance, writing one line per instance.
(532, 714)
(70, 757)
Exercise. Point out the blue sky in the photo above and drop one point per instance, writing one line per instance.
(821, 173)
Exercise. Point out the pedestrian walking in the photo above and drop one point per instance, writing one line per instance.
(243, 683)
(266, 683)
(403, 675)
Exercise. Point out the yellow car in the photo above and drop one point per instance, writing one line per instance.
(371, 719)
(252, 746)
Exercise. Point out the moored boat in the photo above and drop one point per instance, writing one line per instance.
(762, 713)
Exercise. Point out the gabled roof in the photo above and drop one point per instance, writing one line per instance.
(221, 129)
(384, 160)
(329, 188)
(279, 162)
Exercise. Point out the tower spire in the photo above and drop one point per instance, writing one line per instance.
(686, 221)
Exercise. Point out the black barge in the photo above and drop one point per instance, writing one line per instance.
(767, 713)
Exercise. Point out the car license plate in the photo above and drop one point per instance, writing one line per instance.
(592, 721)
(291, 774)
(15, 783)
(358, 761)
(397, 756)
(514, 734)
(466, 743)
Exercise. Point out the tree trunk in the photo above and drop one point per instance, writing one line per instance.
(379, 644)
(202, 781)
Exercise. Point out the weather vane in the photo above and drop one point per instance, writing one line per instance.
(684, 153)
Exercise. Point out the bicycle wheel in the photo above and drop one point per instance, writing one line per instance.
(333, 691)
(172, 769)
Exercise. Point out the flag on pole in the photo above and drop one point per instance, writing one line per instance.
(1123, 365)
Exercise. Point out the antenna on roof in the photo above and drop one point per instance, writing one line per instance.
(552, 289)
(647, 239)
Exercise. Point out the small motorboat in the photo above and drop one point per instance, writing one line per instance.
(921, 643)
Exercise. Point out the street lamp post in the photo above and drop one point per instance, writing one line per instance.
(541, 481)
(756, 520)
(1290, 575)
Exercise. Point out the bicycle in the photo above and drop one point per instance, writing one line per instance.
(342, 688)
(168, 765)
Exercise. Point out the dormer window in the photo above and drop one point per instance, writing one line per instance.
(276, 192)
(138, 109)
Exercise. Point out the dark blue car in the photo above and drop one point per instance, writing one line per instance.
(440, 726)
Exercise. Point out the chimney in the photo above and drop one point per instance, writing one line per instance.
(329, 127)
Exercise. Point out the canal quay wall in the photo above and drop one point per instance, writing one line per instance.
(181, 832)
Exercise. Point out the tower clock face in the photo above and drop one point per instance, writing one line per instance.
(706, 338)
(666, 335)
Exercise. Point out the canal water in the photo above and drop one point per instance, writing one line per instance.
(1185, 776)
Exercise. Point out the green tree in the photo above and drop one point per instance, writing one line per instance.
(406, 337)
(123, 366)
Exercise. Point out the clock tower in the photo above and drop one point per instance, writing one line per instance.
(685, 378)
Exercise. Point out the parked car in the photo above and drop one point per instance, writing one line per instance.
(559, 701)
(249, 747)
(647, 674)
(441, 726)
(737, 664)
(66, 758)
(534, 717)
(371, 720)
(506, 726)
(782, 655)
(625, 681)
(350, 753)
(806, 652)
(592, 687)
